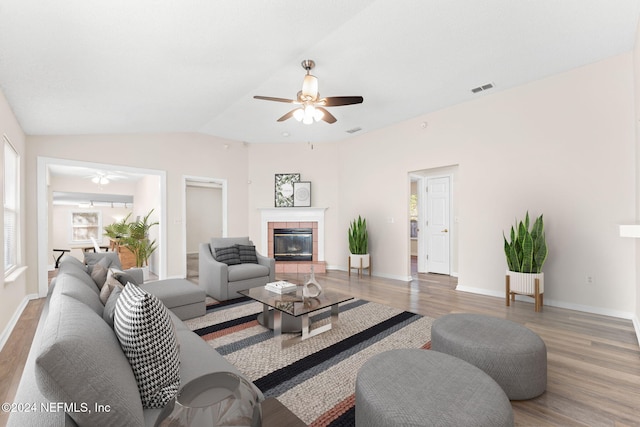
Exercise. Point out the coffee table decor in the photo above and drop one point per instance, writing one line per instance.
(311, 287)
(281, 287)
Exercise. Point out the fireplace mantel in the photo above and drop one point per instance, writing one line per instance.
(293, 215)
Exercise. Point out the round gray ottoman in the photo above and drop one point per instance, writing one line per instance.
(514, 356)
(413, 387)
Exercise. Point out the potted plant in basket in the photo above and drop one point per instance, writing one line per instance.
(138, 241)
(359, 245)
(526, 254)
(134, 236)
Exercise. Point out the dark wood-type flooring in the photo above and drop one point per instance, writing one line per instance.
(593, 360)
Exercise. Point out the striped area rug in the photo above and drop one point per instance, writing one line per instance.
(315, 378)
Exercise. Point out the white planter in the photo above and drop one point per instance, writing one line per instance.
(525, 283)
(359, 261)
(145, 273)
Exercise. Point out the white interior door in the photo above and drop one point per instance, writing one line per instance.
(438, 225)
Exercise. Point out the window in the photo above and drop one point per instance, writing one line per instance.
(11, 207)
(85, 226)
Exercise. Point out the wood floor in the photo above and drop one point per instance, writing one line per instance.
(593, 360)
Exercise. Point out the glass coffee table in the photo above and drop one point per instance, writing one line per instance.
(292, 310)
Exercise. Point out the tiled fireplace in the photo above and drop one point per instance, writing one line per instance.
(295, 219)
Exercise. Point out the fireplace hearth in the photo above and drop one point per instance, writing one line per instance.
(293, 244)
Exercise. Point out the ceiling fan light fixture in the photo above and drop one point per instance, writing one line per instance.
(308, 117)
(100, 180)
(310, 87)
(308, 114)
(298, 114)
(318, 114)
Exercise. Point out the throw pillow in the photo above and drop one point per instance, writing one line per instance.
(247, 254)
(229, 256)
(147, 337)
(100, 271)
(109, 285)
(110, 306)
(124, 278)
(92, 258)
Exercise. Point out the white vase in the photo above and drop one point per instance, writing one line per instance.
(311, 288)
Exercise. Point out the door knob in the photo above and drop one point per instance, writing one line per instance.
(445, 231)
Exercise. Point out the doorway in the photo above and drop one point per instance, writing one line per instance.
(205, 216)
(433, 221)
(155, 197)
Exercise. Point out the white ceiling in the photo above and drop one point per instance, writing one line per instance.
(121, 66)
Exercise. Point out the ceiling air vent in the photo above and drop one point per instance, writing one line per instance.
(482, 88)
(354, 130)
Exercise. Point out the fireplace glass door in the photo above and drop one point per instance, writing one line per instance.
(293, 244)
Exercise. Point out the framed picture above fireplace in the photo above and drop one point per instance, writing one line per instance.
(302, 194)
(284, 192)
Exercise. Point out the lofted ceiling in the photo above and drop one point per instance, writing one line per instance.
(96, 67)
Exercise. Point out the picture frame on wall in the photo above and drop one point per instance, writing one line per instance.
(302, 194)
(284, 193)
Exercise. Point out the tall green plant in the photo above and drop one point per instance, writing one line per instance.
(134, 236)
(358, 237)
(527, 250)
(138, 240)
(119, 229)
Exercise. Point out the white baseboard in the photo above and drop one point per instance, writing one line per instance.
(553, 303)
(373, 273)
(14, 319)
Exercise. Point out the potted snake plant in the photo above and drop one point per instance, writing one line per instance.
(526, 253)
(359, 245)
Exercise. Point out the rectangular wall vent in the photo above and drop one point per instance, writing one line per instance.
(354, 130)
(482, 88)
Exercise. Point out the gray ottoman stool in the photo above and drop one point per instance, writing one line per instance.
(413, 387)
(514, 356)
(184, 298)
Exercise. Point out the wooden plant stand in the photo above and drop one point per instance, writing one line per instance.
(537, 296)
(360, 267)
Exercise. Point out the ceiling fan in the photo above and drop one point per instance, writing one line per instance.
(103, 178)
(311, 105)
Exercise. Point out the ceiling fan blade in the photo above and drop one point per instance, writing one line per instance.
(270, 98)
(327, 117)
(287, 116)
(335, 101)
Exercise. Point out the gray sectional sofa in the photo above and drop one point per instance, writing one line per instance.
(77, 373)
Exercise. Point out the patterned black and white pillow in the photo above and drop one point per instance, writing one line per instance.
(148, 339)
(247, 254)
(230, 255)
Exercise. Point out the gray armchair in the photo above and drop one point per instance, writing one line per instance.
(221, 280)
